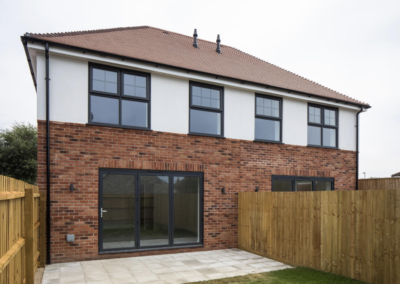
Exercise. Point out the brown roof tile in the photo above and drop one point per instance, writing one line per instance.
(173, 49)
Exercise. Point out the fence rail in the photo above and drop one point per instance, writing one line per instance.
(379, 183)
(21, 224)
(351, 233)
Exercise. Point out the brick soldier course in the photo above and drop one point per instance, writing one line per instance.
(78, 151)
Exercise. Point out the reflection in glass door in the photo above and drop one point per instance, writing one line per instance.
(118, 211)
(186, 210)
(154, 210)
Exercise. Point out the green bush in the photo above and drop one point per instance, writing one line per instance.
(18, 152)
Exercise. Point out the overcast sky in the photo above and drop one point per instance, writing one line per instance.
(349, 46)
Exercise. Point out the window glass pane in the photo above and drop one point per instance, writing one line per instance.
(314, 115)
(140, 81)
(154, 210)
(119, 204)
(267, 129)
(104, 81)
(205, 93)
(205, 122)
(267, 107)
(329, 137)
(330, 117)
(205, 97)
(303, 185)
(135, 86)
(314, 135)
(104, 110)
(281, 185)
(134, 113)
(323, 185)
(186, 210)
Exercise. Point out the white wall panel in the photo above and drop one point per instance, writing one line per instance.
(347, 129)
(169, 104)
(68, 89)
(239, 114)
(294, 122)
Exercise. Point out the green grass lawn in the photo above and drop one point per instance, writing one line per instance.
(287, 276)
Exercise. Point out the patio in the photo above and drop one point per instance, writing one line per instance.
(160, 269)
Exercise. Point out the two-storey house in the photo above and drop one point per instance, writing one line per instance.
(145, 138)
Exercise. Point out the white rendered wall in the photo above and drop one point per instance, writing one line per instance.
(294, 129)
(239, 114)
(169, 104)
(68, 89)
(347, 129)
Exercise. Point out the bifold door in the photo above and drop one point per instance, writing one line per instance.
(145, 209)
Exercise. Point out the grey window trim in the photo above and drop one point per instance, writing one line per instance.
(119, 95)
(207, 109)
(322, 124)
(293, 179)
(266, 117)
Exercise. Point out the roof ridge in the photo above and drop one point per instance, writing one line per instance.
(71, 33)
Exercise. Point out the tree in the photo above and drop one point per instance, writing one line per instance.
(18, 152)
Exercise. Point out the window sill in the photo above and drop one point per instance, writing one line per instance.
(206, 135)
(118, 126)
(151, 249)
(325, 147)
(268, 141)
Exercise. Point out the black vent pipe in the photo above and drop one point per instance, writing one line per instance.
(48, 152)
(218, 44)
(195, 44)
(357, 146)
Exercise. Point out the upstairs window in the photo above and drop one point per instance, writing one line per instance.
(206, 110)
(268, 120)
(119, 97)
(297, 183)
(322, 126)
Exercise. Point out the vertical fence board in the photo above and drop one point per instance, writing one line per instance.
(355, 234)
(13, 233)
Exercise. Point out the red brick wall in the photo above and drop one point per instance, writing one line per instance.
(78, 151)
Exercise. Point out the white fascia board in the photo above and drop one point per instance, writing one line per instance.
(131, 63)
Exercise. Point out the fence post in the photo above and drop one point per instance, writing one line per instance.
(42, 237)
(29, 226)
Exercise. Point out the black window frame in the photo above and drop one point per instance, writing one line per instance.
(293, 179)
(137, 174)
(322, 125)
(266, 117)
(119, 95)
(209, 109)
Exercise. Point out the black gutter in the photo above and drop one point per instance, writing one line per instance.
(25, 43)
(357, 146)
(32, 39)
(48, 151)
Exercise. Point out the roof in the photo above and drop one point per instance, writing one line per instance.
(396, 174)
(176, 50)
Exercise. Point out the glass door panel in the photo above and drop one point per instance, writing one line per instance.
(117, 215)
(186, 210)
(154, 210)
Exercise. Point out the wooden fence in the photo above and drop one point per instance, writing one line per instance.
(351, 233)
(379, 183)
(22, 215)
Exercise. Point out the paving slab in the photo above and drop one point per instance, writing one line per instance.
(162, 269)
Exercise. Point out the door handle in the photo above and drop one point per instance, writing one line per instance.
(102, 211)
